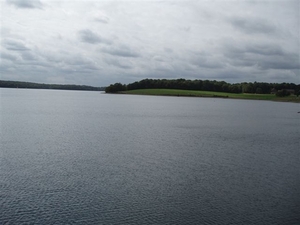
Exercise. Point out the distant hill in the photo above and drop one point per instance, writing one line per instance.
(30, 85)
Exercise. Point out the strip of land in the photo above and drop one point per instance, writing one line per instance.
(30, 85)
(191, 93)
(210, 88)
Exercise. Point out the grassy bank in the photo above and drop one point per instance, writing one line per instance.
(190, 93)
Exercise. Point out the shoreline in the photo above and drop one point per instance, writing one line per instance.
(222, 95)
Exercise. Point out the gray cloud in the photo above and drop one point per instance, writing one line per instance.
(265, 49)
(26, 3)
(263, 56)
(121, 50)
(100, 16)
(8, 56)
(101, 20)
(28, 56)
(205, 60)
(238, 50)
(14, 45)
(118, 63)
(124, 41)
(90, 37)
(168, 50)
(288, 61)
(252, 25)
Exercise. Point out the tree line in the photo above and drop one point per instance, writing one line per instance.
(30, 85)
(204, 85)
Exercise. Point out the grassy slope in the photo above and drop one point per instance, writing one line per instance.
(176, 92)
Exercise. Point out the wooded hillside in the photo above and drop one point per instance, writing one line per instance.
(204, 85)
(19, 84)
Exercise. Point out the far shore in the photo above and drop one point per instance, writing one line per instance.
(210, 94)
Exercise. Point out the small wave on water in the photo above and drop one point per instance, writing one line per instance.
(67, 160)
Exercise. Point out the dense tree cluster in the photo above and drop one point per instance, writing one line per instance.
(282, 93)
(113, 88)
(19, 84)
(203, 85)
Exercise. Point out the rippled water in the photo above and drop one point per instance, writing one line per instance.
(72, 157)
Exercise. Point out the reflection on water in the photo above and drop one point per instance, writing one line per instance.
(72, 157)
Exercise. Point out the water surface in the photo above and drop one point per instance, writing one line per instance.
(71, 157)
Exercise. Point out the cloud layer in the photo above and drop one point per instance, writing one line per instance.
(102, 42)
(25, 3)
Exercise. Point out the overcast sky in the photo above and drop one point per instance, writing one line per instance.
(102, 42)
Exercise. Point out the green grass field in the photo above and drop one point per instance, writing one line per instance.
(177, 92)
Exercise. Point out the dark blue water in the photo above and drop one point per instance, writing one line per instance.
(72, 157)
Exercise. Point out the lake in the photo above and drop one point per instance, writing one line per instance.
(75, 157)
